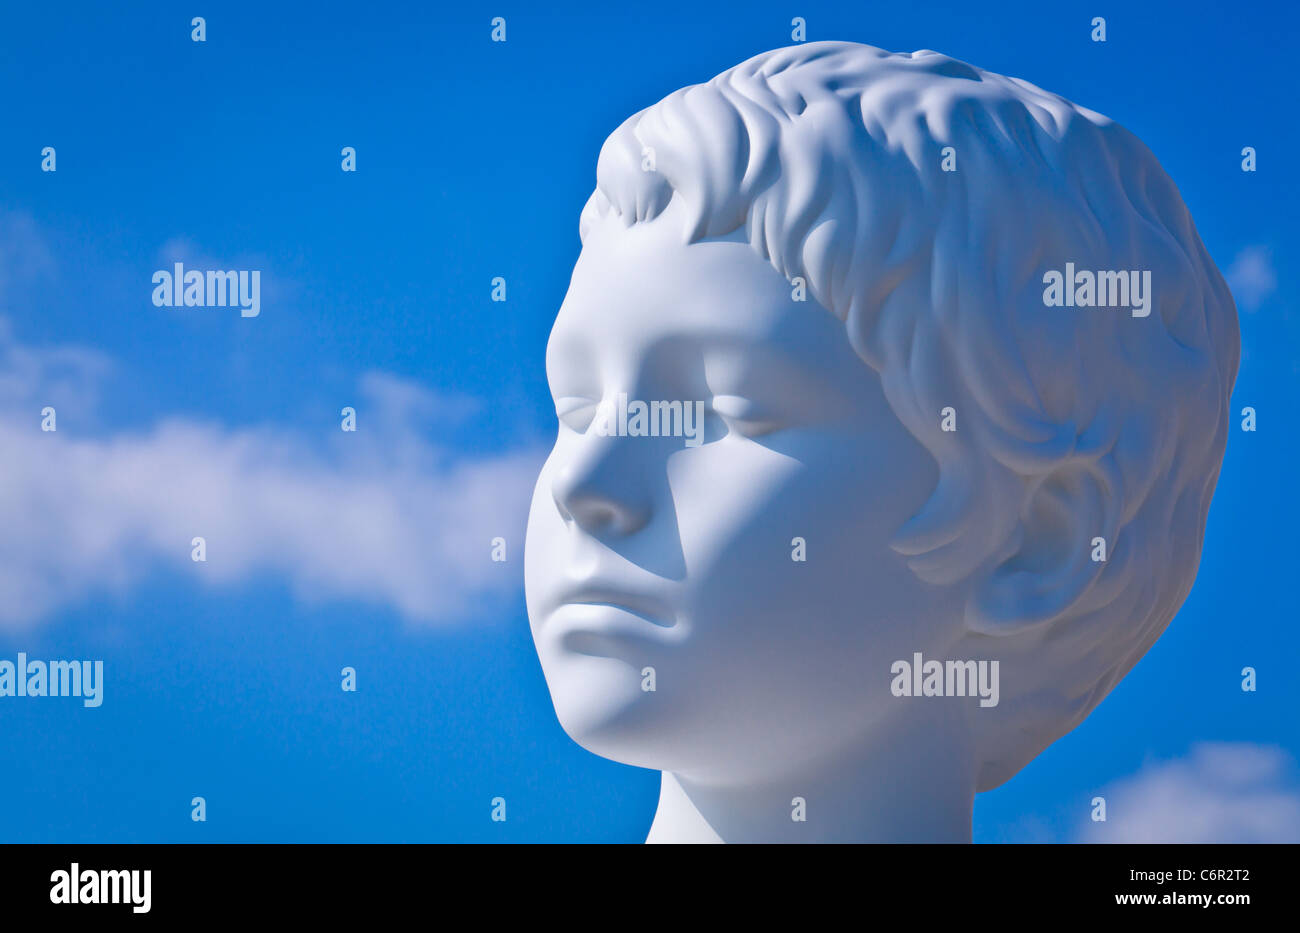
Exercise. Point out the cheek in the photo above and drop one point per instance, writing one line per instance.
(768, 529)
(748, 593)
(732, 504)
(807, 480)
(541, 539)
(773, 638)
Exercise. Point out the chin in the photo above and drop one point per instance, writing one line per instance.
(601, 706)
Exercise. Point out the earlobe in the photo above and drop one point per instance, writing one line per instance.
(1059, 553)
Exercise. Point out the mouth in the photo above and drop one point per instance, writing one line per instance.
(643, 606)
(597, 618)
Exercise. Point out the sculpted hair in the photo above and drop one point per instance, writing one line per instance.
(1086, 422)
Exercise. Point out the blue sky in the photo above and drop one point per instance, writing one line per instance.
(474, 159)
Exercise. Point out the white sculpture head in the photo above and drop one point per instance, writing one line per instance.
(845, 256)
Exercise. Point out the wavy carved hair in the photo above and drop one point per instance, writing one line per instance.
(829, 156)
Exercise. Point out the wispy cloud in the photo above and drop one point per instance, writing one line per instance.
(386, 516)
(383, 516)
(1220, 792)
(1251, 277)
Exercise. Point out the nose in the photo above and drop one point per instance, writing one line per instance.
(602, 488)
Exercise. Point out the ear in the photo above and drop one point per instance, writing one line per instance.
(1053, 554)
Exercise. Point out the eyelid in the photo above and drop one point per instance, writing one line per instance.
(568, 404)
(749, 417)
(576, 411)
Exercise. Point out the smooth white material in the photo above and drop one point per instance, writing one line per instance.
(785, 246)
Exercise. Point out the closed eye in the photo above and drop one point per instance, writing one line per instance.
(575, 411)
(744, 415)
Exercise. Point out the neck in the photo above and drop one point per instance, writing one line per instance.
(901, 791)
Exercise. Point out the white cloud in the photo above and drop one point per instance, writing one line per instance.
(1251, 277)
(1221, 792)
(383, 516)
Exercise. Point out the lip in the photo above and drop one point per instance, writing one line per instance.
(648, 608)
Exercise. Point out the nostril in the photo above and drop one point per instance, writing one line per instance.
(596, 517)
(598, 514)
(560, 507)
(567, 495)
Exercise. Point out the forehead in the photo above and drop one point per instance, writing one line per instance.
(641, 288)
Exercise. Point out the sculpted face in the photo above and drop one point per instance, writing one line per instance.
(1039, 550)
(646, 552)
